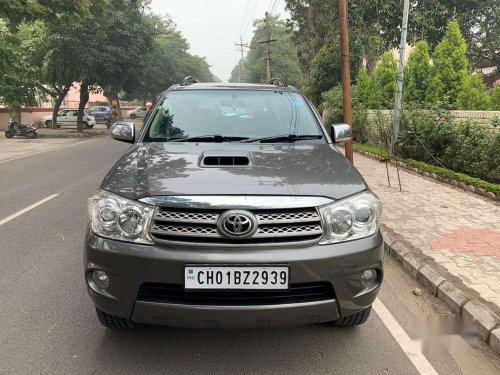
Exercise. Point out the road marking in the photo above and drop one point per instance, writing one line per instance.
(50, 149)
(411, 347)
(24, 210)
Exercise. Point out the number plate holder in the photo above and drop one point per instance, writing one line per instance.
(236, 277)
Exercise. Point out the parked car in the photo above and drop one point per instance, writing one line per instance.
(137, 112)
(68, 117)
(102, 114)
(233, 208)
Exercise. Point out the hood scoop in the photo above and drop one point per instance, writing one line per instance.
(229, 158)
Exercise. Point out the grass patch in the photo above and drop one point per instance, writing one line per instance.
(424, 167)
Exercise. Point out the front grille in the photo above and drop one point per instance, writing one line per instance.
(200, 226)
(174, 293)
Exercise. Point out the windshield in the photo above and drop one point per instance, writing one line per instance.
(231, 113)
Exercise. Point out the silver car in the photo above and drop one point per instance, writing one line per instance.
(233, 208)
(137, 113)
(69, 117)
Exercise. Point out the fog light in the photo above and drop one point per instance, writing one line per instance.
(368, 278)
(100, 278)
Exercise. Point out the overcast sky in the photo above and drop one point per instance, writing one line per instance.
(213, 26)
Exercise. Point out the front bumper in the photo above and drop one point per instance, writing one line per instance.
(131, 265)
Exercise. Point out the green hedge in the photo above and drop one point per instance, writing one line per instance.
(442, 172)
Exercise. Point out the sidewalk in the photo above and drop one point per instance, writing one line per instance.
(459, 230)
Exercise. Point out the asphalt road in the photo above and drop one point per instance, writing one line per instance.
(48, 324)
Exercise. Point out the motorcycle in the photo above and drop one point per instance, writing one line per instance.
(27, 130)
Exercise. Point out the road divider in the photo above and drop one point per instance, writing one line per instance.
(29, 208)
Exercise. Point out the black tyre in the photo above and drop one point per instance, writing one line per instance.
(85, 125)
(353, 320)
(133, 116)
(114, 322)
(48, 124)
(32, 135)
(90, 126)
(8, 134)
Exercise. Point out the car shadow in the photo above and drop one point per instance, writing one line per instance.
(172, 350)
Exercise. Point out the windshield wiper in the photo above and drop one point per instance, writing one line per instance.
(285, 138)
(207, 138)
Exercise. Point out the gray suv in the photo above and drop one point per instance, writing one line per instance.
(233, 208)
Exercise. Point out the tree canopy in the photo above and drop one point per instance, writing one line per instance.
(284, 62)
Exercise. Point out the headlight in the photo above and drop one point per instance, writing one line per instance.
(119, 218)
(351, 218)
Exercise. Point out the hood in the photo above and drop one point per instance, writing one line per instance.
(150, 169)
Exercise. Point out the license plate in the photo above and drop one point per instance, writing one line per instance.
(228, 277)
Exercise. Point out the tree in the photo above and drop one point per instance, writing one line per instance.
(168, 63)
(450, 67)
(21, 51)
(495, 98)
(235, 73)
(384, 83)
(15, 12)
(417, 72)
(116, 36)
(364, 86)
(284, 62)
(474, 95)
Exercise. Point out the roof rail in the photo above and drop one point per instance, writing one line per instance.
(276, 81)
(189, 80)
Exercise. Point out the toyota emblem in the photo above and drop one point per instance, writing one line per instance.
(237, 224)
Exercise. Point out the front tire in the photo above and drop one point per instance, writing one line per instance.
(48, 124)
(114, 322)
(133, 116)
(9, 134)
(353, 320)
(85, 125)
(32, 135)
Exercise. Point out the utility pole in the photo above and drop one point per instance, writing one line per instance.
(268, 48)
(346, 74)
(396, 113)
(241, 47)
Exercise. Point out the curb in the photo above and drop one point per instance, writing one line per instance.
(452, 183)
(441, 285)
(86, 134)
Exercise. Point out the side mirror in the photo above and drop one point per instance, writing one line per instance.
(340, 133)
(123, 131)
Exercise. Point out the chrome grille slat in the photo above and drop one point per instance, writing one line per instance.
(288, 217)
(199, 227)
(186, 217)
(272, 231)
(183, 230)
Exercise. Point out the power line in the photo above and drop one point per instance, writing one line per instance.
(250, 19)
(274, 7)
(244, 17)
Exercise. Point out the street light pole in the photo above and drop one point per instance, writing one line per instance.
(346, 74)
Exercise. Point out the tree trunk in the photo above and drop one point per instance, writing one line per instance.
(115, 102)
(16, 115)
(59, 99)
(313, 28)
(84, 98)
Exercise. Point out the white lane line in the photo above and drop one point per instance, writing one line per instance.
(411, 348)
(50, 149)
(24, 210)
